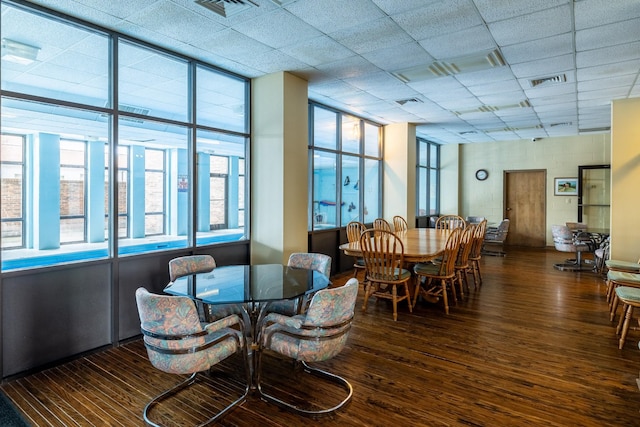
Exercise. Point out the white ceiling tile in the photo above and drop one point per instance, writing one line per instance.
(547, 47)
(399, 57)
(608, 93)
(593, 13)
(609, 70)
(498, 10)
(608, 55)
(502, 89)
(232, 45)
(544, 67)
(318, 50)
(399, 6)
(485, 77)
(348, 67)
(461, 43)
(439, 18)
(609, 82)
(534, 26)
(277, 29)
(544, 91)
(371, 36)
(333, 15)
(608, 35)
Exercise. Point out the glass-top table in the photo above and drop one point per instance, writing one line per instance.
(238, 284)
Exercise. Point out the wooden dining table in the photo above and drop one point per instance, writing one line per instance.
(420, 244)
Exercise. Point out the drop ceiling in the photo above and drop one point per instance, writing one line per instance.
(463, 71)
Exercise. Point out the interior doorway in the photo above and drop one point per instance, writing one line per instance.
(525, 207)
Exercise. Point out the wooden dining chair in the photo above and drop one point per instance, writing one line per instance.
(432, 279)
(383, 254)
(461, 266)
(399, 224)
(449, 222)
(476, 253)
(354, 230)
(381, 224)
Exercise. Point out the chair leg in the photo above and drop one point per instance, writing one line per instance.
(367, 293)
(613, 308)
(625, 327)
(394, 294)
(621, 321)
(445, 298)
(182, 385)
(318, 373)
(406, 292)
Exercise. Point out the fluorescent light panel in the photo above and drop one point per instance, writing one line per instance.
(19, 53)
(463, 64)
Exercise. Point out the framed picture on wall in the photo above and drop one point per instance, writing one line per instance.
(565, 187)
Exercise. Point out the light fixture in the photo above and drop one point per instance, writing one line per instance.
(448, 67)
(19, 53)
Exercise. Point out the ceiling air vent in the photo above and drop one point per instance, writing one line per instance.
(552, 125)
(593, 130)
(560, 78)
(409, 101)
(226, 7)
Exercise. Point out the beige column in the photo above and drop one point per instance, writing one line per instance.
(625, 179)
(279, 167)
(399, 175)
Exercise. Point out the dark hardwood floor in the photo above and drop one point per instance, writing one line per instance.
(532, 347)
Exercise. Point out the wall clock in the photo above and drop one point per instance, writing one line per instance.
(482, 174)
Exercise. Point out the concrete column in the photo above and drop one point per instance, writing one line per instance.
(46, 191)
(178, 192)
(203, 215)
(399, 175)
(136, 192)
(279, 180)
(95, 191)
(625, 176)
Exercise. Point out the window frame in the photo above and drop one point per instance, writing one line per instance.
(428, 168)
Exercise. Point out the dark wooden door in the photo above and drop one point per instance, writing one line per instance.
(524, 202)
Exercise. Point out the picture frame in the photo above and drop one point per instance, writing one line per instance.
(565, 186)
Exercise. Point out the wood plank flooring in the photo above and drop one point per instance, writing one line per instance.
(532, 347)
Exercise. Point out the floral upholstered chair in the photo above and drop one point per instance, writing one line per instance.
(193, 264)
(177, 343)
(310, 261)
(317, 335)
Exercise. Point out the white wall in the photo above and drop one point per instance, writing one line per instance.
(560, 157)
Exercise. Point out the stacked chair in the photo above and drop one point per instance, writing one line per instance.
(494, 239)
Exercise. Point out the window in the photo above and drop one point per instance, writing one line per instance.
(345, 183)
(72, 191)
(77, 169)
(12, 166)
(428, 176)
